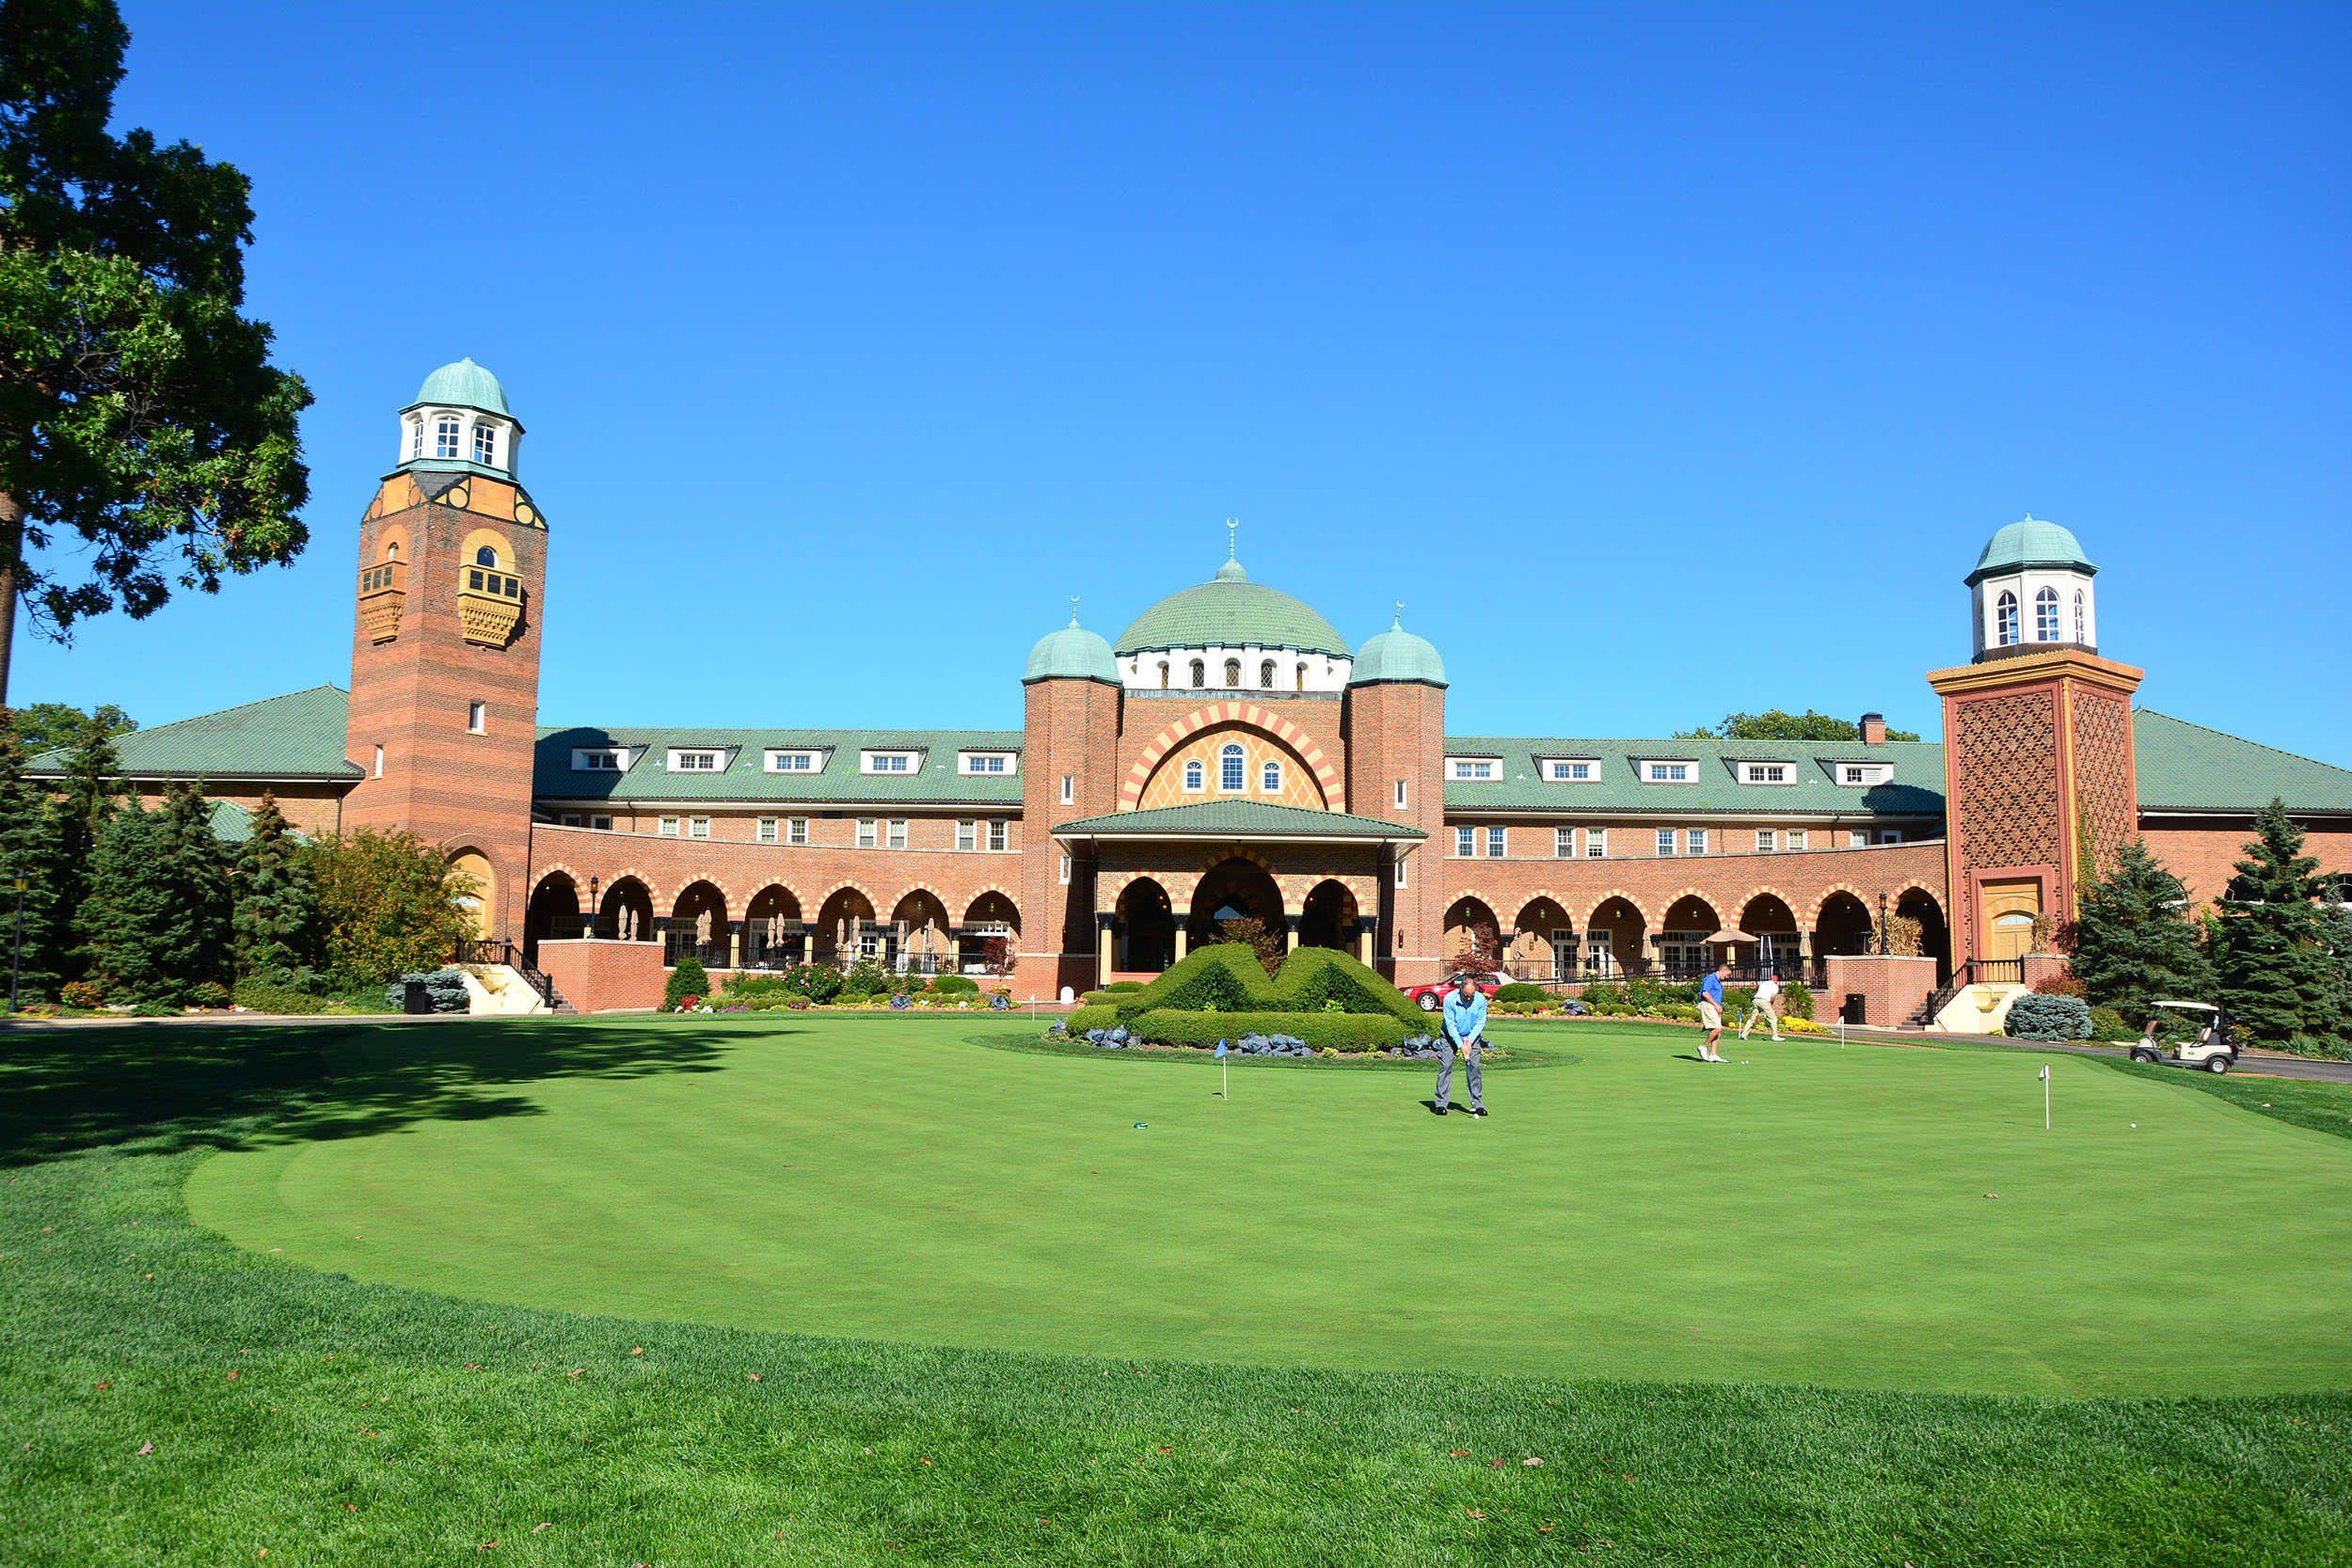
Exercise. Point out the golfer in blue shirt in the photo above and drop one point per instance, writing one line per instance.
(1711, 1012)
(1465, 1031)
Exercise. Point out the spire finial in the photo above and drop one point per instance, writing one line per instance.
(1073, 610)
(1398, 624)
(1233, 528)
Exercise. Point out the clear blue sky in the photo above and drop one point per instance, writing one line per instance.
(1664, 361)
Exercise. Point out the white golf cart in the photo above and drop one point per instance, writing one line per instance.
(2213, 1046)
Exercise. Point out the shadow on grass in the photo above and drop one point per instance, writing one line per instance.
(65, 1090)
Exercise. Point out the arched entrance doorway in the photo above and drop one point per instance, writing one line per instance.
(1612, 941)
(1774, 924)
(480, 889)
(1545, 947)
(772, 929)
(1233, 890)
(992, 933)
(626, 914)
(1147, 927)
(1683, 945)
(698, 925)
(553, 914)
(1473, 938)
(846, 931)
(1328, 917)
(1935, 936)
(1843, 927)
(919, 942)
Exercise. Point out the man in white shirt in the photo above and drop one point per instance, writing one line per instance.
(1767, 1005)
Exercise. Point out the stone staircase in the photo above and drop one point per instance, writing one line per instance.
(1924, 1014)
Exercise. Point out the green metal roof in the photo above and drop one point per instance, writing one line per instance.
(1914, 789)
(2185, 767)
(1395, 657)
(299, 736)
(2028, 544)
(463, 385)
(1234, 820)
(1072, 653)
(746, 779)
(1231, 612)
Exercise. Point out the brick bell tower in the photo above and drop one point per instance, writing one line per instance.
(2037, 766)
(1071, 699)
(1394, 724)
(445, 652)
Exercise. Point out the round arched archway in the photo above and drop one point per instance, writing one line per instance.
(1774, 924)
(1842, 927)
(1545, 947)
(1612, 941)
(1682, 945)
(1936, 936)
(1147, 927)
(919, 942)
(991, 934)
(626, 911)
(1233, 890)
(1328, 917)
(772, 929)
(553, 915)
(478, 891)
(845, 930)
(1474, 936)
(698, 924)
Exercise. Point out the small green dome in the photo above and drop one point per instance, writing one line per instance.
(1398, 655)
(464, 385)
(1232, 612)
(1072, 653)
(2033, 543)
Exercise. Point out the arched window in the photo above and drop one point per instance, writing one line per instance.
(485, 444)
(445, 436)
(416, 437)
(1302, 676)
(392, 552)
(2078, 617)
(2045, 616)
(1270, 779)
(485, 556)
(2005, 618)
(1265, 676)
(1232, 674)
(1199, 674)
(1196, 777)
(1231, 772)
(1163, 675)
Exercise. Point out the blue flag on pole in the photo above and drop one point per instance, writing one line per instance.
(1220, 1049)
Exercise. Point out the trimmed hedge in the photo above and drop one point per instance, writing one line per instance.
(1520, 991)
(1099, 1016)
(1124, 985)
(1227, 976)
(2038, 1017)
(260, 997)
(1321, 1031)
(957, 982)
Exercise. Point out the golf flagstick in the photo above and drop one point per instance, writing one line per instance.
(2046, 1100)
(1225, 1072)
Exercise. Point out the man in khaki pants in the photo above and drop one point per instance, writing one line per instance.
(1767, 1006)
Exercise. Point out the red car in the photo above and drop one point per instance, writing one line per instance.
(1429, 999)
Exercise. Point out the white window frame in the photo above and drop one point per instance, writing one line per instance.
(448, 439)
(1669, 771)
(1465, 844)
(666, 828)
(1068, 789)
(892, 763)
(1400, 873)
(1694, 841)
(1890, 836)
(601, 759)
(698, 827)
(570, 819)
(601, 824)
(766, 830)
(2005, 620)
(993, 765)
(379, 762)
(967, 835)
(1748, 771)
(1065, 871)
(999, 838)
(698, 759)
(486, 443)
(1571, 770)
(1766, 841)
(866, 838)
(1857, 838)
(477, 717)
(1232, 769)
(1402, 797)
(1794, 838)
(792, 760)
(1563, 843)
(1497, 843)
(1270, 777)
(894, 833)
(1665, 843)
(1861, 775)
(1196, 776)
(1596, 844)
(796, 830)
(1473, 769)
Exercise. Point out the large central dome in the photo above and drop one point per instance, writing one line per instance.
(1232, 612)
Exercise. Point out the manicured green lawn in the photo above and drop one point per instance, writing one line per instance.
(1810, 1213)
(167, 1397)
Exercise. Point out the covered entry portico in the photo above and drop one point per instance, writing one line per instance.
(1166, 880)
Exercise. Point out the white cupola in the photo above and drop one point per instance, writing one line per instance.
(2032, 593)
(460, 423)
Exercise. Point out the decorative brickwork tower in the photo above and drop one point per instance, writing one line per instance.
(1070, 746)
(2037, 745)
(1395, 729)
(445, 653)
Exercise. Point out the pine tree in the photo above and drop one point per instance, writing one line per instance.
(2135, 942)
(276, 907)
(2280, 973)
(156, 920)
(87, 800)
(28, 848)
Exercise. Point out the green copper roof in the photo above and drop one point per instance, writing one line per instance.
(839, 779)
(1072, 653)
(464, 385)
(2184, 766)
(1716, 787)
(1398, 655)
(299, 736)
(1232, 612)
(2028, 543)
(1234, 820)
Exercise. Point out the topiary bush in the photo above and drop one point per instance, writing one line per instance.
(1520, 991)
(2037, 1017)
(1124, 985)
(1227, 978)
(1350, 1031)
(965, 983)
(1100, 1016)
(261, 997)
(1796, 1001)
(689, 979)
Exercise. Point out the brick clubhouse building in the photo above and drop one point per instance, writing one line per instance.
(1230, 753)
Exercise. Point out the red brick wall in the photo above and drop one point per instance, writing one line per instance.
(1391, 732)
(2204, 852)
(315, 809)
(1890, 987)
(410, 695)
(1069, 727)
(597, 976)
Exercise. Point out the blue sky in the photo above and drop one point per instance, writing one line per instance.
(1664, 361)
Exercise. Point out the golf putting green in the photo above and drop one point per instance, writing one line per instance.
(1809, 1213)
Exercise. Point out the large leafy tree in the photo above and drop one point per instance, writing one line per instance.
(387, 904)
(1776, 724)
(2274, 948)
(276, 904)
(53, 726)
(2134, 940)
(146, 441)
(156, 921)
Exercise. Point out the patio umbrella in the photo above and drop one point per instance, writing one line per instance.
(1727, 935)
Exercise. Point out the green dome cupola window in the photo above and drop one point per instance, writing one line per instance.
(1072, 653)
(2031, 592)
(1231, 635)
(460, 423)
(1397, 657)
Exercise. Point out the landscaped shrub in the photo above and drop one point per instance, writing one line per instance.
(1101, 1016)
(2036, 1016)
(1124, 985)
(82, 994)
(689, 979)
(446, 988)
(208, 993)
(1796, 1001)
(1603, 994)
(2060, 985)
(2107, 1023)
(387, 903)
(817, 982)
(1227, 978)
(1520, 991)
(965, 983)
(1354, 1031)
(260, 996)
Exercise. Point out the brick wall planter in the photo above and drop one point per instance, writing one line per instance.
(1891, 988)
(599, 977)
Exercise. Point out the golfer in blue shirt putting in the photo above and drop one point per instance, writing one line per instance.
(1465, 1031)
(1711, 1012)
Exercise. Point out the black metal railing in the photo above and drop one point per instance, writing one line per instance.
(491, 950)
(676, 945)
(1790, 970)
(1995, 972)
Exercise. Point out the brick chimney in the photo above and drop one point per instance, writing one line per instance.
(1874, 729)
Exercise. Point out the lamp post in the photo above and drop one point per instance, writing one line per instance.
(1882, 924)
(592, 909)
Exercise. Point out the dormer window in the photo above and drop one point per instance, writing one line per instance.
(1470, 767)
(1861, 775)
(1767, 773)
(593, 760)
(485, 444)
(445, 435)
(694, 762)
(987, 762)
(1667, 772)
(890, 762)
(1571, 770)
(791, 762)
(2078, 617)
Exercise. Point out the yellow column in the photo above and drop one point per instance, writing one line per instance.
(1180, 943)
(808, 945)
(1103, 952)
(1364, 945)
(1293, 934)
(735, 950)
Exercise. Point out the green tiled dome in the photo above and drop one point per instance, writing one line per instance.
(1072, 653)
(1231, 613)
(2030, 543)
(1397, 655)
(464, 385)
